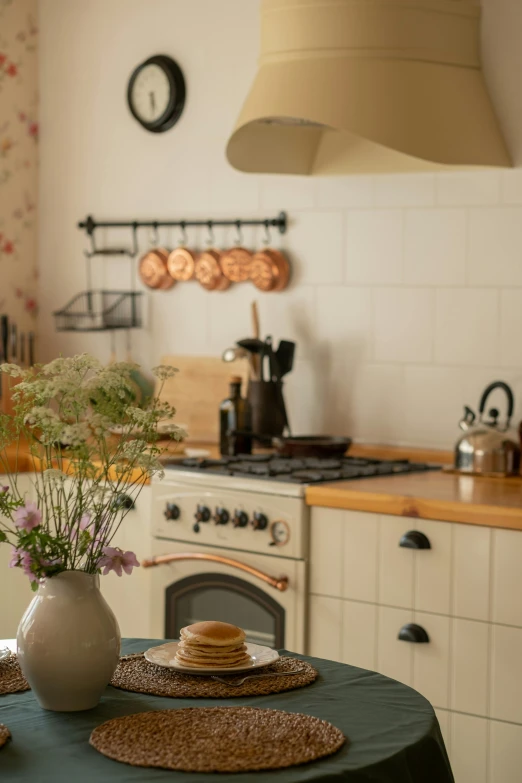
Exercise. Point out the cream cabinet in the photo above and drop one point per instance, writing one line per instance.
(454, 591)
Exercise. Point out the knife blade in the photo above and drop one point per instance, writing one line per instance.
(4, 335)
(14, 342)
(30, 346)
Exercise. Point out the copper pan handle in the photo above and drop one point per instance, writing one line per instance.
(279, 584)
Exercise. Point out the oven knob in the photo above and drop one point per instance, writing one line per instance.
(240, 519)
(195, 527)
(259, 522)
(221, 516)
(202, 514)
(171, 511)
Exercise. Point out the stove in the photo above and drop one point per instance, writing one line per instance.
(294, 470)
(231, 541)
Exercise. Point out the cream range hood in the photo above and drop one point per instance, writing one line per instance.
(365, 86)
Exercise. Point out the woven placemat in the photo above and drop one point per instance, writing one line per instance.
(217, 739)
(136, 674)
(11, 678)
(4, 735)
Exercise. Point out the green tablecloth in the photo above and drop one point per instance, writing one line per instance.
(393, 734)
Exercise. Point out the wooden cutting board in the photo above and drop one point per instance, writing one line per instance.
(197, 391)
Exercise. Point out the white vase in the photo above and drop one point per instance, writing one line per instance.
(68, 642)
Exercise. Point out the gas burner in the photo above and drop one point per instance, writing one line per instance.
(294, 470)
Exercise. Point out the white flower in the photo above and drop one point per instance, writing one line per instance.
(163, 372)
(12, 369)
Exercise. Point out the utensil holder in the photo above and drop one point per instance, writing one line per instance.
(268, 407)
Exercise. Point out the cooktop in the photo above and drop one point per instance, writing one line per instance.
(310, 470)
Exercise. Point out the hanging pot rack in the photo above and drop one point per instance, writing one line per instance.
(89, 225)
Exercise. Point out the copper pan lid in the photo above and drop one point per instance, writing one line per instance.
(270, 270)
(236, 263)
(208, 271)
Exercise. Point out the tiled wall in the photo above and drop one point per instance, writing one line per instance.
(406, 298)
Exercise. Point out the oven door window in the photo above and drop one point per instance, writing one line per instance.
(229, 600)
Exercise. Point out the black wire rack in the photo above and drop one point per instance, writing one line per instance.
(98, 311)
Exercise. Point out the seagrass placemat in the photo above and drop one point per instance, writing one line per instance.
(217, 739)
(136, 674)
(4, 735)
(11, 678)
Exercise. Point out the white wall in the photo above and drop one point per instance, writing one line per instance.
(407, 290)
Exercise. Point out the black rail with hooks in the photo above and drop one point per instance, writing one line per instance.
(89, 225)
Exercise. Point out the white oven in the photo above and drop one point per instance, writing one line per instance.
(232, 555)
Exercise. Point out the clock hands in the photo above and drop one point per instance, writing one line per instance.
(152, 103)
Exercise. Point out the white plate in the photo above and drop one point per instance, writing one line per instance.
(165, 655)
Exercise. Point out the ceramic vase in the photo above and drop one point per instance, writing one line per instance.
(68, 642)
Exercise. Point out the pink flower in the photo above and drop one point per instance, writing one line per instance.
(33, 129)
(85, 521)
(114, 559)
(23, 560)
(11, 69)
(28, 517)
(4, 489)
(8, 247)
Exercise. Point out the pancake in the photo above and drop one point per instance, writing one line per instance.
(189, 662)
(213, 652)
(212, 644)
(213, 633)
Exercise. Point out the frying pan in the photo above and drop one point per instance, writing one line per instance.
(311, 446)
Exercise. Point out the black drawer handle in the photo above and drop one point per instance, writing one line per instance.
(123, 502)
(414, 539)
(413, 633)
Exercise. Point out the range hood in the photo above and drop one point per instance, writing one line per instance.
(365, 86)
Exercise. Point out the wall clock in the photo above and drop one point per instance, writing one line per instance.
(156, 93)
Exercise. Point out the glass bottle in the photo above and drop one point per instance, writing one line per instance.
(235, 422)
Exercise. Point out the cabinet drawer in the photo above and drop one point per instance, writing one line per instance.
(424, 666)
(507, 577)
(325, 627)
(468, 749)
(506, 674)
(505, 753)
(359, 637)
(469, 666)
(415, 578)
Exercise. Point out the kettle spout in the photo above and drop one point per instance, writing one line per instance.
(468, 419)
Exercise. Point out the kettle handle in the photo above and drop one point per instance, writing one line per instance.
(509, 395)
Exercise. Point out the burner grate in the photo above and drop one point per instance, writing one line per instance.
(311, 470)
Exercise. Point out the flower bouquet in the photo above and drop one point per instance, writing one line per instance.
(63, 536)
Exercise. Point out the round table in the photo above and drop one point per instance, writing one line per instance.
(393, 734)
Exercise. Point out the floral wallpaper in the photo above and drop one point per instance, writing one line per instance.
(18, 161)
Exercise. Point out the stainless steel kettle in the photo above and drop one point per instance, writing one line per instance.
(488, 447)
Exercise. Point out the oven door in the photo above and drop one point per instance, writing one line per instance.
(263, 594)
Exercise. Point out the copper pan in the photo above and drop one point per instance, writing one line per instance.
(236, 264)
(208, 271)
(270, 270)
(153, 269)
(181, 264)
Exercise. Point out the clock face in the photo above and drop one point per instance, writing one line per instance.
(151, 93)
(156, 93)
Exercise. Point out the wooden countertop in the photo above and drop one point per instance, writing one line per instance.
(495, 502)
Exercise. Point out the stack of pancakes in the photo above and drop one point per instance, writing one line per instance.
(212, 644)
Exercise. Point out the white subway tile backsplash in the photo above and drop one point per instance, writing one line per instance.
(495, 247)
(344, 191)
(314, 243)
(288, 315)
(511, 186)
(435, 247)
(404, 190)
(468, 188)
(344, 321)
(511, 327)
(374, 246)
(467, 327)
(404, 324)
(287, 192)
(372, 404)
